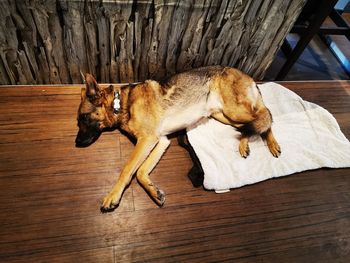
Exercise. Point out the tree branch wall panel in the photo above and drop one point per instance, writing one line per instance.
(51, 41)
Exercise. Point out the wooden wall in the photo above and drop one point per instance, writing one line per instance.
(51, 41)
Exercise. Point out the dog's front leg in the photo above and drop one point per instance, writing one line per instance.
(142, 149)
(143, 172)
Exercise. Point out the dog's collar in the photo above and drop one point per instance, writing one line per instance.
(117, 95)
(116, 102)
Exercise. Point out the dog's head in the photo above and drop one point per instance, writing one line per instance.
(95, 112)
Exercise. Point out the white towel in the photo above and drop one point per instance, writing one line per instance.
(309, 137)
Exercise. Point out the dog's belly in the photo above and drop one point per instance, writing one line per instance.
(178, 118)
(181, 119)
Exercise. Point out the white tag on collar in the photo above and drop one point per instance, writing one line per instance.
(116, 102)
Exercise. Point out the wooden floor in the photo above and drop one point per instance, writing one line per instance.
(50, 194)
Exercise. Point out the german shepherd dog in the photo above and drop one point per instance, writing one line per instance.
(150, 111)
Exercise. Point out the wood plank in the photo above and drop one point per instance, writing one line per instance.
(105, 255)
(50, 193)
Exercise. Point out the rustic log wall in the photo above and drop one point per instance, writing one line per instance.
(51, 41)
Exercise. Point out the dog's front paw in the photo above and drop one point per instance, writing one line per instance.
(110, 202)
(160, 199)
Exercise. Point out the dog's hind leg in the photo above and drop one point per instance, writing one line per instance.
(243, 141)
(262, 125)
(147, 167)
(142, 149)
(219, 116)
(272, 144)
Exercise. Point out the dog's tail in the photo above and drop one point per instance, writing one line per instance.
(260, 124)
(263, 121)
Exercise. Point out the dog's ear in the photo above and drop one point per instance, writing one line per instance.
(83, 93)
(93, 91)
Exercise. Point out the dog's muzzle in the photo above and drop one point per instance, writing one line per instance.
(85, 139)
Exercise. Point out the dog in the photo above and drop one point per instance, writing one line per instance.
(152, 110)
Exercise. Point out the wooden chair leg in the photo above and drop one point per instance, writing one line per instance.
(324, 9)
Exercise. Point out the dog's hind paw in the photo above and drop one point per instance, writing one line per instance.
(275, 149)
(244, 149)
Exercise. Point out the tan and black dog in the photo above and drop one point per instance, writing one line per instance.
(151, 110)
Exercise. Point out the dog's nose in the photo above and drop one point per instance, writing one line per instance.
(79, 142)
(82, 142)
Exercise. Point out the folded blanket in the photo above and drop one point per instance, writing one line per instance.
(309, 137)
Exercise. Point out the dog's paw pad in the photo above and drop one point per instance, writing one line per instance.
(160, 197)
(109, 204)
(110, 208)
